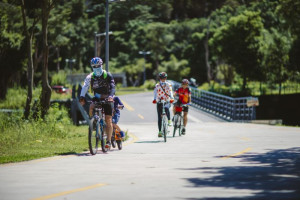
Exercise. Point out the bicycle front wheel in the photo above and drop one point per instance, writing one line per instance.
(93, 136)
(175, 124)
(165, 127)
(103, 139)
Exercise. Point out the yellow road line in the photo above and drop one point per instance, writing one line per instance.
(134, 139)
(141, 116)
(69, 192)
(244, 138)
(127, 106)
(237, 154)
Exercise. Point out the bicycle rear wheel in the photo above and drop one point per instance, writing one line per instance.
(93, 136)
(103, 139)
(119, 143)
(113, 139)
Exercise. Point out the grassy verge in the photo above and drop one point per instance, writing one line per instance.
(22, 140)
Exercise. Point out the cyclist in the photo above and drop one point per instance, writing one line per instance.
(184, 95)
(103, 85)
(116, 114)
(163, 91)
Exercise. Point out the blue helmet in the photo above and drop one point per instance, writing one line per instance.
(96, 62)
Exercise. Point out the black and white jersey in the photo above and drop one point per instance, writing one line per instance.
(103, 85)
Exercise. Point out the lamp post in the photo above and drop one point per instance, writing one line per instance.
(144, 53)
(107, 32)
(98, 35)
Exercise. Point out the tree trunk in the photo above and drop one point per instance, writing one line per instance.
(58, 62)
(29, 64)
(46, 89)
(208, 67)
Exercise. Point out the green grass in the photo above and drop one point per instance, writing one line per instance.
(22, 140)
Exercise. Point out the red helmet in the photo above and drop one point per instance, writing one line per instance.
(185, 82)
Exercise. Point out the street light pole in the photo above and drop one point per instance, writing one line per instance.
(106, 35)
(97, 41)
(144, 53)
(107, 32)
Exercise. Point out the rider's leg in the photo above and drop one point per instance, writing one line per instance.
(167, 113)
(117, 127)
(109, 127)
(158, 107)
(92, 106)
(185, 119)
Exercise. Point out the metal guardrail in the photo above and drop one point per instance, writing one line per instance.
(227, 108)
(76, 108)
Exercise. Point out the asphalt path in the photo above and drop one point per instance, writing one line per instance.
(214, 160)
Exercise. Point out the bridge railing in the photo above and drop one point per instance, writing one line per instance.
(227, 108)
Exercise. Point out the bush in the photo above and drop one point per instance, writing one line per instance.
(149, 84)
(59, 78)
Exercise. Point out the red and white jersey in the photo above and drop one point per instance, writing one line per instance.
(163, 91)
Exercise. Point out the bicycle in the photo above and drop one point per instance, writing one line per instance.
(178, 120)
(97, 127)
(164, 120)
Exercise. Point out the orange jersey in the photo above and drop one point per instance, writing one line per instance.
(183, 94)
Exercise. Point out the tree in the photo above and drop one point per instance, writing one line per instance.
(276, 56)
(47, 5)
(237, 42)
(28, 31)
(11, 45)
(158, 39)
(177, 69)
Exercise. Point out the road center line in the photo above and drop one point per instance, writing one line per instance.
(237, 154)
(141, 116)
(127, 106)
(69, 192)
(134, 139)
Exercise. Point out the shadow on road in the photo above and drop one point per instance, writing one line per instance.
(273, 175)
(149, 142)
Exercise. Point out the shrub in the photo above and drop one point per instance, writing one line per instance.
(149, 84)
(59, 78)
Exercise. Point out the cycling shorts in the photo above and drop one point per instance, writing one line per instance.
(184, 108)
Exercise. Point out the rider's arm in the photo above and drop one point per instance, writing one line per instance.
(155, 93)
(86, 85)
(112, 85)
(120, 102)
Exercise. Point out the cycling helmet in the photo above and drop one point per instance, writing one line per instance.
(163, 75)
(96, 62)
(185, 82)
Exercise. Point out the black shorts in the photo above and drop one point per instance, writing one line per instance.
(108, 107)
(184, 108)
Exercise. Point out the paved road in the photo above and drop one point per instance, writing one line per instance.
(215, 160)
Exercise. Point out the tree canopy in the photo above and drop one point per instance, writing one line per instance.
(258, 40)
